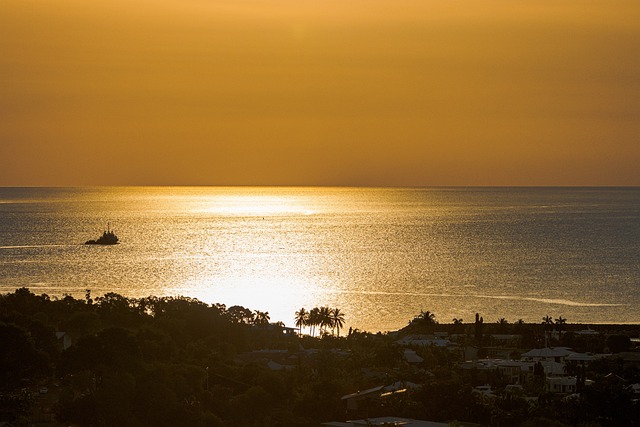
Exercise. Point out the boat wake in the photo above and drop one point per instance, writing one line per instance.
(502, 297)
(33, 246)
(550, 301)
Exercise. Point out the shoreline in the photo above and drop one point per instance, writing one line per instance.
(445, 326)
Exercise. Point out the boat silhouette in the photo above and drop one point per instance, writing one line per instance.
(108, 238)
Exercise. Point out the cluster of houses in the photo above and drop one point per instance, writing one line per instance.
(550, 364)
(560, 369)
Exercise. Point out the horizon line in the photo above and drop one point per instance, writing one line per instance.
(523, 186)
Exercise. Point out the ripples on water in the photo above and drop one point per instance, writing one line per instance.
(381, 255)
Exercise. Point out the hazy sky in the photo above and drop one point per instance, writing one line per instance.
(319, 92)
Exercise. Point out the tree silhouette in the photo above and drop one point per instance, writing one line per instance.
(337, 319)
(502, 325)
(239, 314)
(324, 314)
(478, 328)
(261, 317)
(313, 320)
(302, 318)
(427, 317)
(323, 317)
(560, 323)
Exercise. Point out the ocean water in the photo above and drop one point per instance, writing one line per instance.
(380, 255)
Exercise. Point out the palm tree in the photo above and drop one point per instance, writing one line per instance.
(425, 321)
(502, 325)
(313, 320)
(302, 318)
(427, 317)
(547, 321)
(261, 318)
(324, 317)
(337, 319)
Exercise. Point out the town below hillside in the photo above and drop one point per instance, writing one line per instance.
(176, 361)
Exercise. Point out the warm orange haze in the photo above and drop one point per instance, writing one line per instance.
(319, 212)
(283, 92)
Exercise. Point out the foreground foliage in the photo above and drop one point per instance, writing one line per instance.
(176, 361)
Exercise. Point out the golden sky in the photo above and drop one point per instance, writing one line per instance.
(319, 92)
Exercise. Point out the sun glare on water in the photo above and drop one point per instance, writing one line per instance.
(254, 205)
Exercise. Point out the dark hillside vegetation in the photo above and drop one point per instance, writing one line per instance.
(176, 361)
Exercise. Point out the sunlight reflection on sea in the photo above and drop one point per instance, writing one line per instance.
(380, 255)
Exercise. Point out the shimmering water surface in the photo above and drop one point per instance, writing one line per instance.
(380, 255)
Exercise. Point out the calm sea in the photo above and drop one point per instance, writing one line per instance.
(380, 255)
